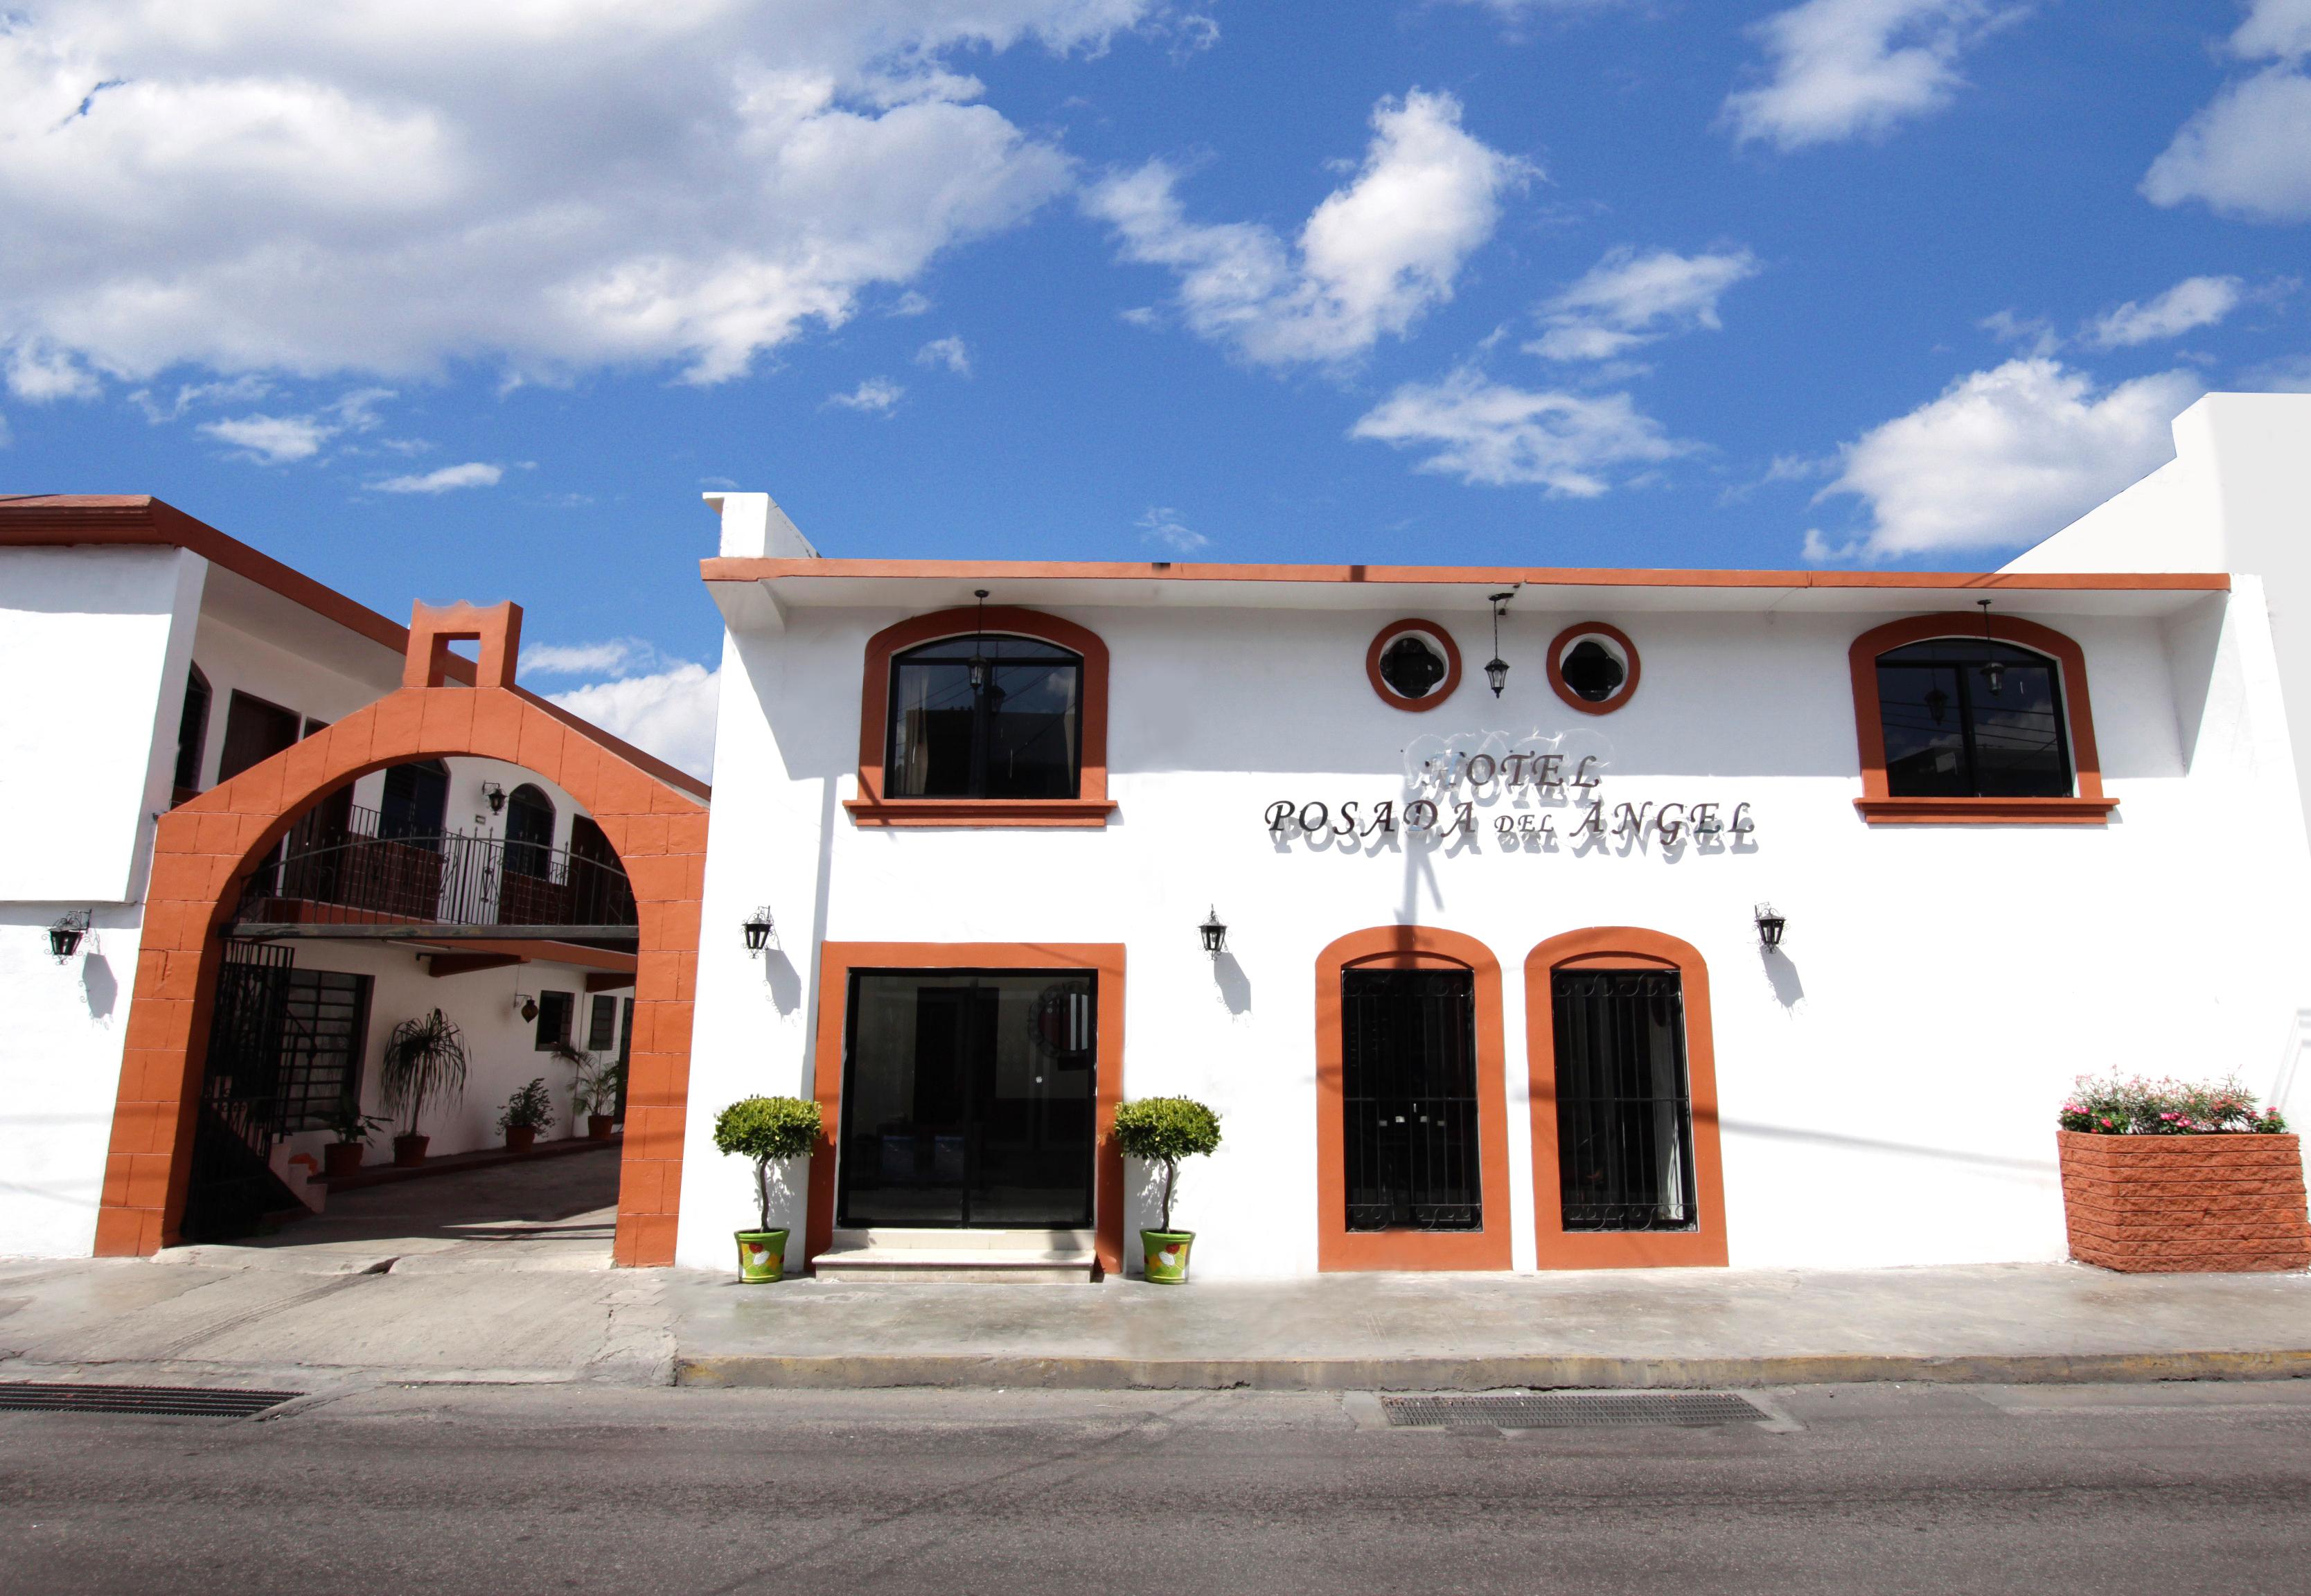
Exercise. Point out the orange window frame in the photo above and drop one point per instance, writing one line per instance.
(2087, 805)
(1622, 947)
(874, 807)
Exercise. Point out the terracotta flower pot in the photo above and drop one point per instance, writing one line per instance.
(342, 1159)
(599, 1126)
(2185, 1204)
(409, 1151)
(520, 1139)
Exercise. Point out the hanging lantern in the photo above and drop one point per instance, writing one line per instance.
(758, 930)
(1993, 671)
(978, 646)
(1497, 669)
(63, 937)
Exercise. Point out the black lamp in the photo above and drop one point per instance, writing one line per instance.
(758, 930)
(63, 937)
(1214, 933)
(496, 795)
(1770, 925)
(978, 646)
(1993, 672)
(1497, 669)
(528, 1008)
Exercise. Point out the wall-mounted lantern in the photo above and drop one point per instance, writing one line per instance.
(758, 929)
(528, 1006)
(1769, 926)
(1497, 669)
(496, 795)
(1214, 933)
(63, 937)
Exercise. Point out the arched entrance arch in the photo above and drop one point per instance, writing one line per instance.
(653, 816)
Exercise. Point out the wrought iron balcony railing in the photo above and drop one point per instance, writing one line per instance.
(340, 877)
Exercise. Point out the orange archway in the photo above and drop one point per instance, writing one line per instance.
(653, 816)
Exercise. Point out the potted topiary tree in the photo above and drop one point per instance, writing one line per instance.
(768, 1131)
(527, 1111)
(423, 1058)
(1164, 1131)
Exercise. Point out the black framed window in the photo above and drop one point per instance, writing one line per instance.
(529, 834)
(1409, 1100)
(192, 734)
(416, 801)
(1624, 1101)
(1016, 733)
(1971, 717)
(254, 732)
(555, 1013)
(602, 1026)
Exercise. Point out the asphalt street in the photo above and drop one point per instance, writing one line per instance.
(2169, 1488)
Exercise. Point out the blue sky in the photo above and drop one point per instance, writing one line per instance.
(455, 301)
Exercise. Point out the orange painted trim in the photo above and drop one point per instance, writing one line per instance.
(750, 570)
(1628, 947)
(205, 848)
(837, 960)
(1088, 807)
(1877, 806)
(1574, 634)
(1429, 629)
(1338, 1248)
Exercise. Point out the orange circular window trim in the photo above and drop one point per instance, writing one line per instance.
(1610, 633)
(1433, 632)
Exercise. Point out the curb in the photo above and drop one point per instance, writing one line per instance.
(1477, 1374)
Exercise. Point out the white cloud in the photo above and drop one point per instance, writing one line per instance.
(2247, 153)
(1162, 524)
(272, 439)
(553, 185)
(876, 395)
(670, 713)
(1627, 299)
(2005, 456)
(2194, 302)
(1841, 69)
(616, 657)
(474, 474)
(1372, 259)
(1487, 432)
(950, 352)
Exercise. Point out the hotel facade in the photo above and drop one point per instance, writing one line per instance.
(1511, 917)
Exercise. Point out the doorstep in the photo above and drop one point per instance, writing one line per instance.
(449, 1163)
(1012, 1257)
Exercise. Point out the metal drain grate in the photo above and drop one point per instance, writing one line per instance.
(177, 1400)
(1556, 1410)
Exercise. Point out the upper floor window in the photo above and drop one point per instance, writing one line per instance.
(986, 716)
(529, 834)
(415, 801)
(192, 735)
(1972, 718)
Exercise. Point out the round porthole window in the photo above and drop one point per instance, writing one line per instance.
(1593, 666)
(1414, 665)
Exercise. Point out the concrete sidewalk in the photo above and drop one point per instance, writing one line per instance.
(528, 1305)
(2003, 1323)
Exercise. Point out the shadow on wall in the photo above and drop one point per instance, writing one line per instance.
(1789, 987)
(1234, 985)
(783, 978)
(102, 987)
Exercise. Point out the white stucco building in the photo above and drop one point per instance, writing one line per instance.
(1494, 990)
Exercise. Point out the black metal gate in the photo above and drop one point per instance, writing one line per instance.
(238, 1114)
(1624, 1104)
(1408, 1099)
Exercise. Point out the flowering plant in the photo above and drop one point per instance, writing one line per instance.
(2137, 1105)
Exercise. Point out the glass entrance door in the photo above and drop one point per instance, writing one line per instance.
(1409, 1098)
(968, 1099)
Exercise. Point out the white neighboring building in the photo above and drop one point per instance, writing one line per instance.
(154, 657)
(989, 900)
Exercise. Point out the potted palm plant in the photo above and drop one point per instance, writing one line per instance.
(1163, 1130)
(352, 1129)
(595, 1097)
(423, 1058)
(768, 1131)
(527, 1111)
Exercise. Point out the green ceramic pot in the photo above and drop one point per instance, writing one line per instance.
(762, 1256)
(1166, 1252)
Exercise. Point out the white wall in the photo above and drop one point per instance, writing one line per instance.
(1888, 1082)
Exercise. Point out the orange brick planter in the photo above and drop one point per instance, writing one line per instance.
(2185, 1204)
